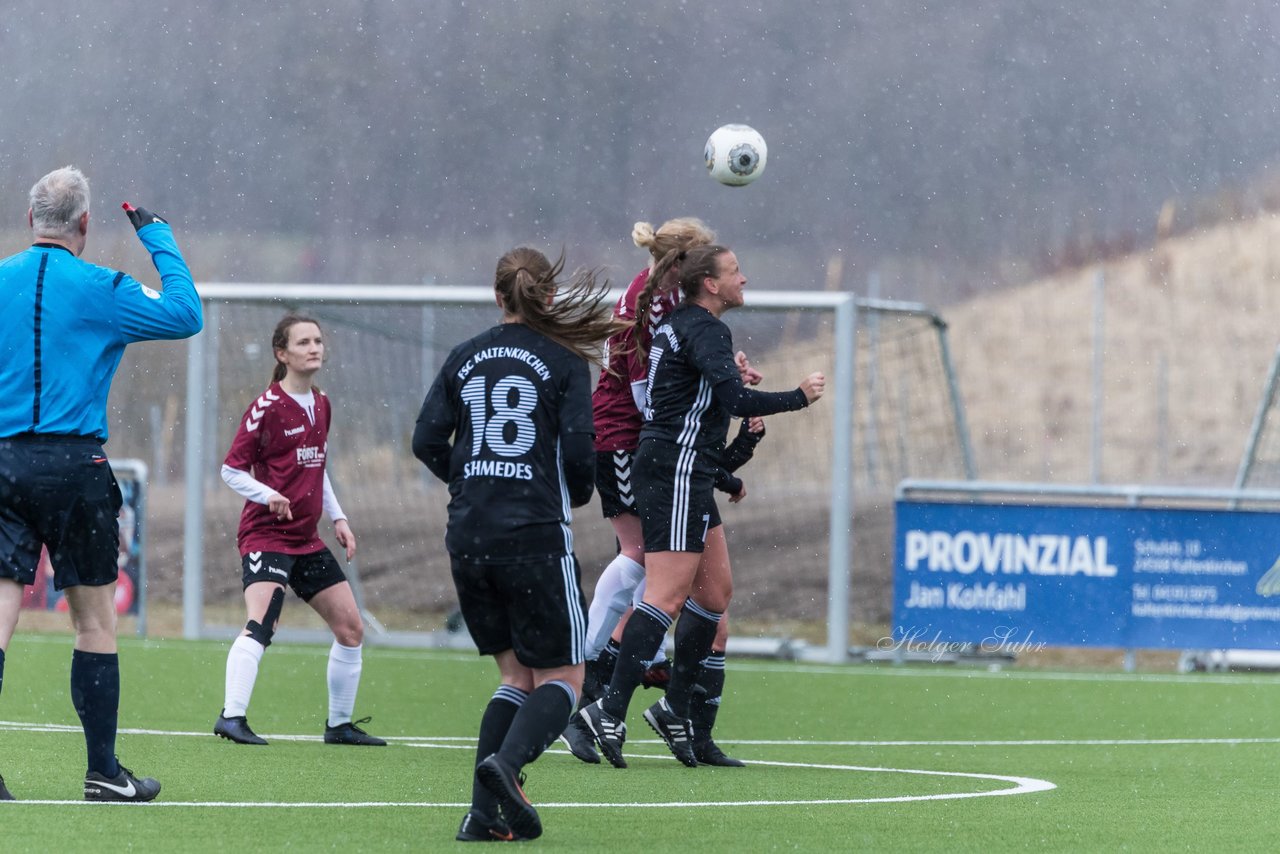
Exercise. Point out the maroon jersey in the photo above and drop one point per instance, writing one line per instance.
(614, 409)
(280, 447)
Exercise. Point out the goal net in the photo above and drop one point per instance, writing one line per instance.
(891, 411)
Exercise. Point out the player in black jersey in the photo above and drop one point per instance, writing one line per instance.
(694, 388)
(507, 424)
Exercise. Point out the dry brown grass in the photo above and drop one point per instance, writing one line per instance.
(1190, 321)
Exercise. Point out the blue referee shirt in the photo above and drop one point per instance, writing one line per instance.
(64, 324)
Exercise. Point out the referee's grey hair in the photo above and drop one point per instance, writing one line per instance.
(57, 202)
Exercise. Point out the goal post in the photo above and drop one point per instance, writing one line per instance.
(892, 410)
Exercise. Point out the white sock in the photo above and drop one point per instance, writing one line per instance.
(610, 601)
(242, 672)
(345, 663)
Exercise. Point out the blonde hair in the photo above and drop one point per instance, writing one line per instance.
(683, 232)
(665, 246)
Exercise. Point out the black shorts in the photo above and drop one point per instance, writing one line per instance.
(613, 482)
(60, 492)
(306, 574)
(535, 608)
(676, 498)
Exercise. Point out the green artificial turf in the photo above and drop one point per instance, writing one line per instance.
(836, 755)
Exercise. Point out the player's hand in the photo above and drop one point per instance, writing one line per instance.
(739, 495)
(813, 386)
(750, 376)
(279, 507)
(755, 424)
(141, 216)
(346, 539)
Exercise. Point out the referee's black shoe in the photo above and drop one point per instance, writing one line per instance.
(236, 729)
(609, 732)
(350, 733)
(477, 827)
(4, 792)
(504, 783)
(676, 731)
(578, 739)
(122, 787)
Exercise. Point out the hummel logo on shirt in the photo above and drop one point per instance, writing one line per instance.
(259, 408)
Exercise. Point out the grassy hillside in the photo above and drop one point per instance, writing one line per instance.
(1188, 334)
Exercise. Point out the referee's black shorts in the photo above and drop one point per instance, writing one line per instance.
(58, 491)
(676, 497)
(535, 608)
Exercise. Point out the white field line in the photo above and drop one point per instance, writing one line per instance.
(467, 741)
(1018, 785)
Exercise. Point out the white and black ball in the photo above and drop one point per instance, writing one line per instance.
(736, 155)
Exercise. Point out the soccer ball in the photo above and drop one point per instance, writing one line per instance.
(736, 155)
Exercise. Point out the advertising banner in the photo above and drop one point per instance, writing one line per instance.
(1008, 576)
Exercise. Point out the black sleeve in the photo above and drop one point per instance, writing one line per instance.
(711, 348)
(743, 447)
(577, 435)
(434, 429)
(742, 401)
(578, 452)
(726, 482)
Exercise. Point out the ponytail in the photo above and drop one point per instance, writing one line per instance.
(644, 300)
(572, 314)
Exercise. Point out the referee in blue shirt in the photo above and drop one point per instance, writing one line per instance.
(64, 324)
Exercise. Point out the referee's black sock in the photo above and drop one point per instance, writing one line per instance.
(95, 692)
(1, 669)
(494, 725)
(538, 723)
(641, 639)
(695, 633)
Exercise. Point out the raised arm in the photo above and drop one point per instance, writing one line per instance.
(714, 356)
(175, 311)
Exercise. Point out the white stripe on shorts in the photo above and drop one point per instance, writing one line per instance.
(684, 467)
(577, 620)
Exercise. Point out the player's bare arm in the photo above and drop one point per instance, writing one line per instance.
(346, 539)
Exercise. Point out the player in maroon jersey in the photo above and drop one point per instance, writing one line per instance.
(277, 463)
